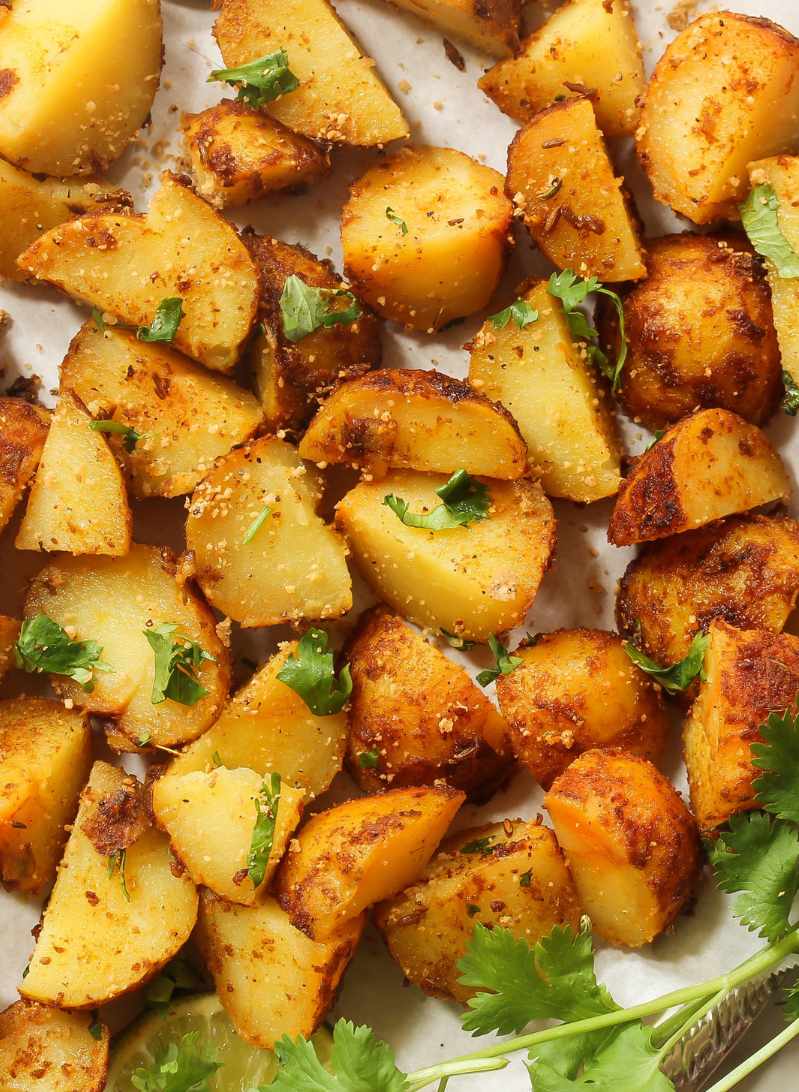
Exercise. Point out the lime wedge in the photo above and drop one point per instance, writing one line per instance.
(243, 1069)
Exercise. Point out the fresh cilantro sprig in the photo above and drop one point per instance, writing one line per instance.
(304, 308)
(130, 437)
(185, 1066)
(465, 501)
(790, 398)
(165, 324)
(777, 755)
(520, 311)
(505, 663)
(628, 1063)
(358, 1061)
(260, 81)
(760, 219)
(680, 675)
(312, 675)
(177, 658)
(572, 291)
(44, 646)
(263, 833)
(395, 219)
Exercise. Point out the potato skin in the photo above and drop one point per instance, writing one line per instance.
(50, 1050)
(418, 712)
(700, 332)
(631, 843)
(577, 689)
(23, 430)
(9, 631)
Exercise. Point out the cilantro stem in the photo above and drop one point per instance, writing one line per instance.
(691, 1015)
(457, 1068)
(751, 1064)
(664, 1031)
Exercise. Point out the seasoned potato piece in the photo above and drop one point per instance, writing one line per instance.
(631, 843)
(29, 206)
(9, 630)
(424, 420)
(272, 979)
(78, 81)
(292, 377)
(267, 726)
(340, 98)
(128, 265)
(544, 380)
(441, 253)
(209, 818)
(238, 153)
(113, 601)
(48, 1050)
(471, 581)
(588, 46)
(725, 92)
(490, 25)
(186, 417)
(510, 874)
(709, 465)
(576, 689)
(361, 852)
(416, 718)
(699, 333)
(100, 937)
(23, 430)
(45, 755)
(576, 210)
(82, 511)
(261, 570)
(749, 674)
(744, 571)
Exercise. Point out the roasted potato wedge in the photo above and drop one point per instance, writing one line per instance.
(699, 331)
(293, 377)
(128, 265)
(45, 755)
(114, 601)
(23, 430)
(9, 631)
(84, 511)
(440, 254)
(744, 571)
(542, 377)
(262, 570)
(588, 46)
(416, 718)
(709, 465)
(102, 937)
(725, 92)
(361, 852)
(490, 25)
(748, 674)
(423, 420)
(340, 98)
(272, 979)
(562, 183)
(509, 874)
(78, 81)
(631, 843)
(48, 1050)
(574, 690)
(471, 581)
(184, 415)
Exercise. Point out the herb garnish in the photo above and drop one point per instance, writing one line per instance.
(116, 862)
(392, 216)
(164, 326)
(263, 834)
(182, 1067)
(256, 524)
(465, 501)
(313, 677)
(177, 658)
(304, 308)
(95, 1027)
(483, 846)
(130, 437)
(177, 977)
(760, 219)
(572, 290)
(504, 663)
(679, 675)
(790, 399)
(44, 646)
(260, 81)
(454, 640)
(369, 760)
(520, 311)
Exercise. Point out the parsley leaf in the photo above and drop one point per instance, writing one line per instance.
(176, 661)
(182, 1067)
(778, 757)
(465, 501)
(44, 646)
(304, 309)
(392, 216)
(520, 311)
(504, 662)
(263, 833)
(256, 525)
(454, 640)
(572, 290)
(679, 675)
(178, 975)
(758, 857)
(260, 81)
(760, 219)
(313, 676)
(359, 1063)
(165, 324)
(130, 437)
(628, 1063)
(790, 399)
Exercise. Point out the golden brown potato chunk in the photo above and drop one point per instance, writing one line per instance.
(744, 571)
(423, 420)
(112, 922)
(293, 377)
(340, 98)
(361, 852)
(424, 235)
(416, 718)
(725, 92)
(46, 1050)
(574, 690)
(699, 332)
(748, 674)
(542, 377)
(83, 509)
(562, 181)
(586, 46)
(631, 843)
(471, 581)
(23, 430)
(45, 754)
(709, 465)
(261, 553)
(509, 874)
(9, 631)
(490, 25)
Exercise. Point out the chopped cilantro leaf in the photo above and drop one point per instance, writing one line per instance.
(116, 862)
(44, 646)
(572, 291)
(358, 1062)
(97, 319)
(369, 760)
(313, 677)
(504, 663)
(260, 81)
(176, 661)
(679, 675)
(95, 1027)
(454, 640)
(256, 524)
(790, 399)
(760, 219)
(392, 216)
(183, 1067)
(164, 326)
(304, 308)
(130, 437)
(177, 976)
(266, 804)
(520, 311)
(483, 846)
(526, 878)
(465, 501)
